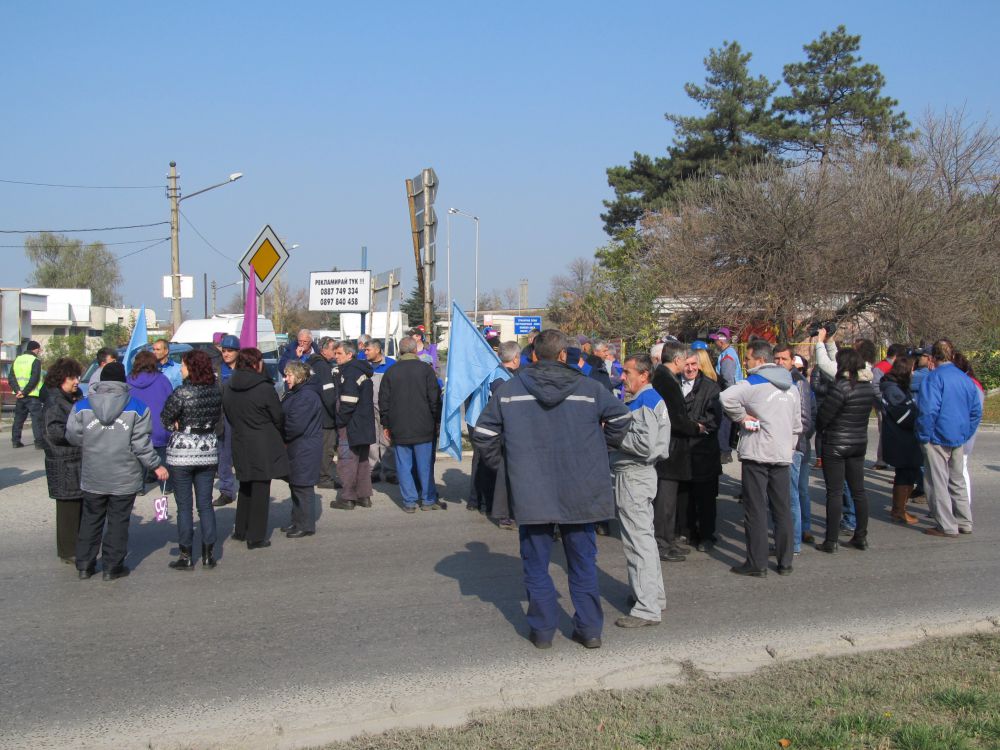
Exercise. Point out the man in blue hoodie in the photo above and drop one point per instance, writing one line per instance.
(950, 412)
(555, 481)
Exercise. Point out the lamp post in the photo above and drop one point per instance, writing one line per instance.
(475, 315)
(174, 194)
(216, 288)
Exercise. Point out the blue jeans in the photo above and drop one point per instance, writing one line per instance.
(850, 518)
(801, 516)
(417, 459)
(198, 479)
(580, 545)
(227, 482)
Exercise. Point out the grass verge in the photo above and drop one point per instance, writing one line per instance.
(991, 410)
(939, 695)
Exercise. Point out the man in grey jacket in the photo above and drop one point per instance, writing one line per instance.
(766, 408)
(634, 463)
(114, 431)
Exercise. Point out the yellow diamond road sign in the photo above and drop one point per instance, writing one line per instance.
(267, 255)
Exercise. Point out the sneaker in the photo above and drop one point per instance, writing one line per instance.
(628, 621)
(434, 506)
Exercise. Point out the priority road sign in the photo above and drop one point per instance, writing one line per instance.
(267, 255)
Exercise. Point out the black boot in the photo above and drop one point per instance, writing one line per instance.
(827, 546)
(208, 556)
(183, 562)
(859, 542)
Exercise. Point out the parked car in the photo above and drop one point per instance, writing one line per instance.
(6, 392)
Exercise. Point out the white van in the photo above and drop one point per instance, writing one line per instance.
(199, 332)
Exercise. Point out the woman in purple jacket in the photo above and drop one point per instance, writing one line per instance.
(153, 388)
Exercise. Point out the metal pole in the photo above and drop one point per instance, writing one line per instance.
(204, 286)
(177, 316)
(364, 267)
(215, 288)
(448, 221)
(475, 317)
(388, 315)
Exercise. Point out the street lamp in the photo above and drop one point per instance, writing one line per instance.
(174, 194)
(475, 315)
(216, 288)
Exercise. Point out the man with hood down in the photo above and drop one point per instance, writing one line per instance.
(766, 408)
(113, 428)
(552, 481)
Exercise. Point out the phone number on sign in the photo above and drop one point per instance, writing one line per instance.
(340, 302)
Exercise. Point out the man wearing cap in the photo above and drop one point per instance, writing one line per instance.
(26, 384)
(730, 372)
(229, 347)
(114, 429)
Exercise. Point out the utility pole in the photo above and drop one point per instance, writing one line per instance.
(176, 315)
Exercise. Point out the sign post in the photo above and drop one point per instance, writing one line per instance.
(267, 256)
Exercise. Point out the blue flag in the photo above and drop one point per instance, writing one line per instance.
(472, 366)
(139, 339)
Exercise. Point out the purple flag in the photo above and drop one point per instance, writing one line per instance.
(248, 334)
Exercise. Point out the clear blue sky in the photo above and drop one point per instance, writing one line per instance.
(328, 107)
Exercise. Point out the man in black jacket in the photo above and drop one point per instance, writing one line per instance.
(355, 429)
(409, 405)
(677, 467)
(554, 481)
(324, 381)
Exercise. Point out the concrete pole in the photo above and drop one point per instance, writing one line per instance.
(177, 315)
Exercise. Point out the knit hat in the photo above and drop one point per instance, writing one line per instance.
(113, 372)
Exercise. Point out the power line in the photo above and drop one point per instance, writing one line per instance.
(203, 237)
(108, 244)
(142, 249)
(84, 187)
(94, 229)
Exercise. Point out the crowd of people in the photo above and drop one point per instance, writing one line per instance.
(651, 434)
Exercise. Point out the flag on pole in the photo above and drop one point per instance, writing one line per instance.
(138, 340)
(472, 366)
(248, 333)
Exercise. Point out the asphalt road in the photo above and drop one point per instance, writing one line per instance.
(387, 619)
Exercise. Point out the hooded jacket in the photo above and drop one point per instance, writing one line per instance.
(768, 396)
(303, 433)
(553, 427)
(113, 428)
(153, 389)
(254, 412)
(356, 412)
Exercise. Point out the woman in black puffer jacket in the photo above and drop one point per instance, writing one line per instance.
(192, 413)
(843, 421)
(62, 460)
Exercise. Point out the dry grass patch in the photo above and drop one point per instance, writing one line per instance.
(940, 695)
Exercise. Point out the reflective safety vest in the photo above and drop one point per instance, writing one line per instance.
(22, 371)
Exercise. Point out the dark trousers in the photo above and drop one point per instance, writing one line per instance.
(227, 482)
(580, 545)
(665, 514)
(482, 483)
(303, 507)
(22, 408)
(701, 499)
(353, 469)
(252, 504)
(113, 541)
(767, 485)
(193, 485)
(68, 513)
(327, 467)
(835, 471)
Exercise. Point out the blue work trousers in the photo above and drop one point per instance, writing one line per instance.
(419, 460)
(580, 545)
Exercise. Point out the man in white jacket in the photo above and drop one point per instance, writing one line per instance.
(766, 408)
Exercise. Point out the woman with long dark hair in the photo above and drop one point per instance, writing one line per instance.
(900, 448)
(62, 460)
(843, 421)
(192, 414)
(252, 407)
(153, 388)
